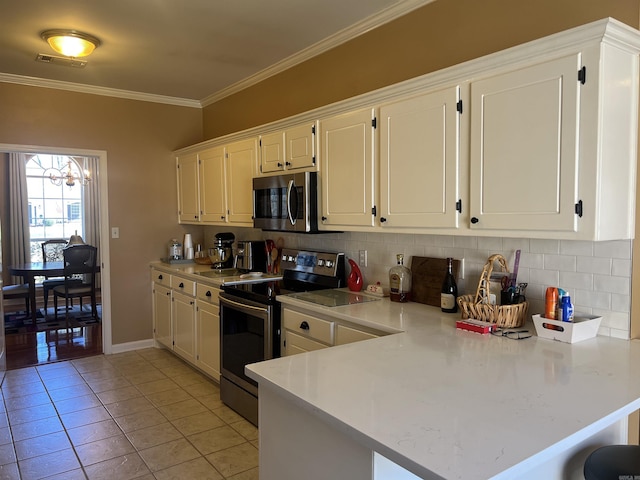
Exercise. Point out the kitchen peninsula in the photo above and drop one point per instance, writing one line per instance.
(437, 402)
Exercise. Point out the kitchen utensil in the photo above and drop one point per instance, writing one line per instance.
(269, 246)
(516, 265)
(355, 280)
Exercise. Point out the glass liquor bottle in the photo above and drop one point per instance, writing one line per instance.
(449, 292)
(400, 281)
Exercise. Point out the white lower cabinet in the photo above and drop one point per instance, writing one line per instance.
(307, 331)
(183, 313)
(162, 315)
(186, 320)
(208, 331)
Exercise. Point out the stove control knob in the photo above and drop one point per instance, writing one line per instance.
(329, 264)
(321, 263)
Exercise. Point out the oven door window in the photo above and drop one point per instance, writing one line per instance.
(243, 341)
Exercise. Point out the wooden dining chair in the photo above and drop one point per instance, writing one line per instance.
(10, 292)
(79, 261)
(52, 252)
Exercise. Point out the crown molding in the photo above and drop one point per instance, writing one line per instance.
(93, 90)
(391, 13)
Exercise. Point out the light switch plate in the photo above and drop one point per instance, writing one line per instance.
(115, 232)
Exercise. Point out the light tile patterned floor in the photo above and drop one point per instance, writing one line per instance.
(143, 414)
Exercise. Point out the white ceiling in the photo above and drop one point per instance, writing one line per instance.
(189, 51)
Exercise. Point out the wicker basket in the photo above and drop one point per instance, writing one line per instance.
(477, 306)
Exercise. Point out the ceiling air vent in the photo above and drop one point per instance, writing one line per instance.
(65, 61)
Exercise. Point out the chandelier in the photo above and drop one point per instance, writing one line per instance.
(70, 177)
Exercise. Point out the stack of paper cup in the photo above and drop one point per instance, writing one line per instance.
(188, 246)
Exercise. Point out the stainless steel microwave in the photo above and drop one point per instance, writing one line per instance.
(286, 202)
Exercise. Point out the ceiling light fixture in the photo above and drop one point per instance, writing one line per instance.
(69, 177)
(71, 43)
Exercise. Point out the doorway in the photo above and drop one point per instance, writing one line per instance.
(61, 344)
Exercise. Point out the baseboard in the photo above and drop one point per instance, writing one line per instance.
(130, 346)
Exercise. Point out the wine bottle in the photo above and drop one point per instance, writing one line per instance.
(400, 281)
(449, 292)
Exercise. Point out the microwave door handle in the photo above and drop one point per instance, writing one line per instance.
(290, 210)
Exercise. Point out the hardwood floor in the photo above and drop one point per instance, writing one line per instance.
(38, 348)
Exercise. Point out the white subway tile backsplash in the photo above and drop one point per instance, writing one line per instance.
(597, 265)
(565, 263)
(596, 274)
(619, 285)
(613, 249)
(568, 247)
(573, 280)
(544, 246)
(621, 267)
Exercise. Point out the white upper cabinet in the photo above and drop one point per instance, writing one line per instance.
(348, 170)
(553, 146)
(420, 159)
(523, 148)
(188, 189)
(213, 190)
(241, 167)
(290, 149)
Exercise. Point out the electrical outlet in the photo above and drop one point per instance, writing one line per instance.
(115, 232)
(362, 261)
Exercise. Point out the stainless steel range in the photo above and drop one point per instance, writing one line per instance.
(250, 320)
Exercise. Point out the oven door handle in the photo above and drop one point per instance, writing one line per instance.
(243, 306)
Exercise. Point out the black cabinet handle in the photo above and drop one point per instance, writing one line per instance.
(288, 164)
(208, 294)
(324, 219)
(279, 165)
(168, 294)
(304, 326)
(181, 285)
(159, 277)
(383, 219)
(474, 220)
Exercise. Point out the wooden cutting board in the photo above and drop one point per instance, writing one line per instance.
(427, 275)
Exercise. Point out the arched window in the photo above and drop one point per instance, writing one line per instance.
(55, 194)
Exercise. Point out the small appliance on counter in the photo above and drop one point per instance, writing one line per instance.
(221, 253)
(251, 256)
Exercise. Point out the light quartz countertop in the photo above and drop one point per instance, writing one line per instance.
(205, 274)
(437, 400)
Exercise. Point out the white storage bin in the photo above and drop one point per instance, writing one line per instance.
(583, 327)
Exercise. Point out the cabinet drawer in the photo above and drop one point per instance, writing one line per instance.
(208, 294)
(309, 326)
(294, 344)
(161, 278)
(179, 284)
(346, 334)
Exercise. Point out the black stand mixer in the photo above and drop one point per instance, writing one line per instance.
(222, 252)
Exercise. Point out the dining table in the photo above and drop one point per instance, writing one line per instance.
(30, 270)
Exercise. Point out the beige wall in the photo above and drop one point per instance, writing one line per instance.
(139, 138)
(441, 34)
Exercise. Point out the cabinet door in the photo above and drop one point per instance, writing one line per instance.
(184, 326)
(162, 315)
(213, 193)
(419, 160)
(292, 344)
(346, 335)
(208, 333)
(188, 193)
(272, 152)
(523, 148)
(241, 166)
(347, 167)
(300, 147)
